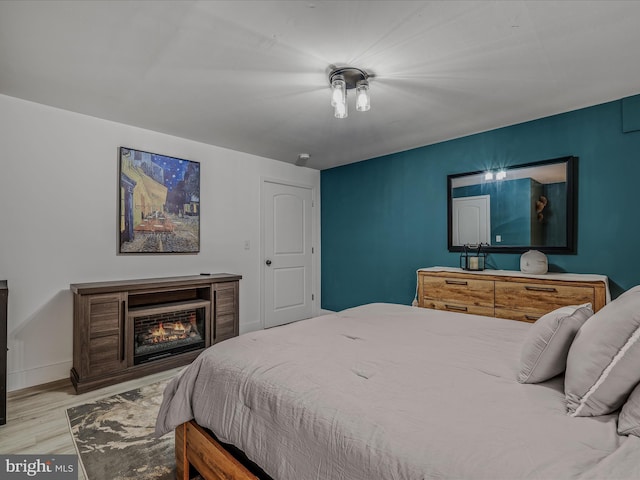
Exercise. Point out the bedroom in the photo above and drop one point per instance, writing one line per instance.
(60, 171)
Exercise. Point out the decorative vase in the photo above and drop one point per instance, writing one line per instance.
(534, 262)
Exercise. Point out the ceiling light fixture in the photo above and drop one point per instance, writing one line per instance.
(348, 78)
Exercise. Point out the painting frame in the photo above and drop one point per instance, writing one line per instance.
(158, 204)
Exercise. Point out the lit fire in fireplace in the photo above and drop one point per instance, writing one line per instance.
(163, 334)
(170, 332)
(174, 331)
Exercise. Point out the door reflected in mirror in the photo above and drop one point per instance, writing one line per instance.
(514, 209)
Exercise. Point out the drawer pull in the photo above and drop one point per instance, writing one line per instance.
(456, 282)
(456, 308)
(540, 289)
(532, 317)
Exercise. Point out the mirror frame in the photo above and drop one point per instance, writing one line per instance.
(572, 207)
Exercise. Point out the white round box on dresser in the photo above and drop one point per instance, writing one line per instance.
(534, 262)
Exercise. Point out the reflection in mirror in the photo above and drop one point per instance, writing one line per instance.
(514, 209)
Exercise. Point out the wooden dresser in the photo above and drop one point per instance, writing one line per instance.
(505, 294)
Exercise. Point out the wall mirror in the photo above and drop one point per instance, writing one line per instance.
(515, 209)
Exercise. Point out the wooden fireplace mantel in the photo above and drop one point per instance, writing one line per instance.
(103, 317)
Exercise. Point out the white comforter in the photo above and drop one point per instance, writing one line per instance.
(393, 392)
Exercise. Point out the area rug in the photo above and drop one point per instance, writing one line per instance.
(115, 438)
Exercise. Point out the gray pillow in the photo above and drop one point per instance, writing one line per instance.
(629, 420)
(602, 366)
(545, 349)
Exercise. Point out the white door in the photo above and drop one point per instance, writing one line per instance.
(287, 259)
(471, 220)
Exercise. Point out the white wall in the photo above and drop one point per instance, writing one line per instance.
(58, 195)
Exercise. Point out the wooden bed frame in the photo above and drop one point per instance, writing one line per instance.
(198, 451)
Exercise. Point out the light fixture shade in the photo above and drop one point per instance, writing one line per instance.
(363, 100)
(343, 79)
(340, 110)
(338, 90)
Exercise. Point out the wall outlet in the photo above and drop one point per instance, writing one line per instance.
(498, 238)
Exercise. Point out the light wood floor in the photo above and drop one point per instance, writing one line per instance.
(36, 419)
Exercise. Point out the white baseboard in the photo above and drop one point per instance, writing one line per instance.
(326, 312)
(38, 375)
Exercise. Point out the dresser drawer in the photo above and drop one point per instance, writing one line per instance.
(458, 291)
(536, 298)
(520, 315)
(457, 307)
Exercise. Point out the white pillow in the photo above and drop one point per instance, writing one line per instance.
(545, 349)
(629, 419)
(604, 359)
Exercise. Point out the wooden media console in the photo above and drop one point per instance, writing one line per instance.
(132, 328)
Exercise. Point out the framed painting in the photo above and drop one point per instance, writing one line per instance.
(159, 204)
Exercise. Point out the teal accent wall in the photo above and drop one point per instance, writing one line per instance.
(383, 218)
(631, 114)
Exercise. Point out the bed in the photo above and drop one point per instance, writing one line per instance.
(386, 391)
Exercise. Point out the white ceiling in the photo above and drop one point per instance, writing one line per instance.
(252, 75)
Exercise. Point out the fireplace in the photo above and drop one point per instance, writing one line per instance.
(161, 335)
(127, 329)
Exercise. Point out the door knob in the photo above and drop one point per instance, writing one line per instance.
(268, 262)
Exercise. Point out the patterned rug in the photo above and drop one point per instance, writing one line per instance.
(115, 437)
